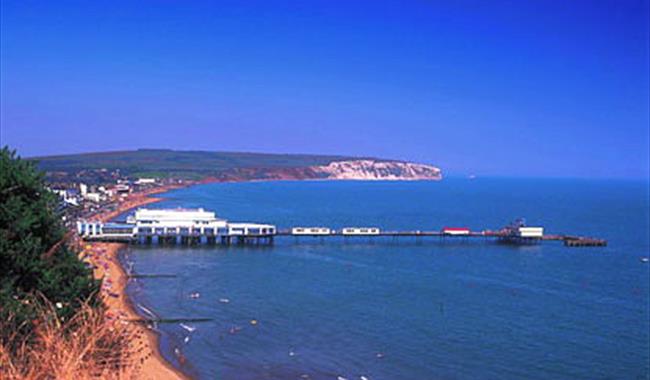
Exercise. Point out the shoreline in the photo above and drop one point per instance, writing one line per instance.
(145, 354)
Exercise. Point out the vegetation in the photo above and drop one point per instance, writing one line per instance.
(83, 347)
(34, 256)
(177, 164)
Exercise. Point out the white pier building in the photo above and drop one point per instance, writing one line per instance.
(170, 225)
(177, 221)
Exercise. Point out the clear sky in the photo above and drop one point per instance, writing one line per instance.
(514, 88)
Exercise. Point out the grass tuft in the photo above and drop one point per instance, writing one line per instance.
(87, 346)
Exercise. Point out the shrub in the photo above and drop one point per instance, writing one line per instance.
(33, 255)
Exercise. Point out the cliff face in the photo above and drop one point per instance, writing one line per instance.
(340, 170)
(377, 170)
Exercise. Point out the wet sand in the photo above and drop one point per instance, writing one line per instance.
(148, 362)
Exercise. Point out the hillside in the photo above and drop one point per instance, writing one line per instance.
(198, 165)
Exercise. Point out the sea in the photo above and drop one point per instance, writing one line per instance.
(406, 308)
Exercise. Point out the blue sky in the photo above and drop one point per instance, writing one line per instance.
(513, 88)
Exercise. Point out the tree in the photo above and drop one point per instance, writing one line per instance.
(29, 227)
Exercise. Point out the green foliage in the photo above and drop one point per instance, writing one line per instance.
(29, 227)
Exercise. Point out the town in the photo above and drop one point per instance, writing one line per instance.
(95, 192)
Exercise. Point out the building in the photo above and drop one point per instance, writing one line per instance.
(122, 188)
(177, 221)
(518, 232)
(108, 192)
(360, 231)
(93, 197)
(67, 196)
(310, 231)
(180, 222)
(145, 181)
(531, 232)
(456, 231)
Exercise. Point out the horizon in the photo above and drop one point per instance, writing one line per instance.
(538, 90)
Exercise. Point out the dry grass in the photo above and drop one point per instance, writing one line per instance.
(88, 346)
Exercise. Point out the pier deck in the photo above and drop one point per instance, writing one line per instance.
(197, 226)
(266, 239)
(502, 236)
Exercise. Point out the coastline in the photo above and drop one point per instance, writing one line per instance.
(145, 355)
(145, 352)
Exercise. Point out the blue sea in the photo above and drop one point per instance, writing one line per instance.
(408, 309)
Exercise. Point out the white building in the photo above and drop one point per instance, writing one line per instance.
(311, 231)
(178, 221)
(94, 197)
(193, 222)
(531, 232)
(105, 230)
(456, 231)
(177, 217)
(174, 222)
(145, 181)
(360, 231)
(250, 229)
(66, 196)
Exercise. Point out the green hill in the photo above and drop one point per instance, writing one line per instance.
(163, 163)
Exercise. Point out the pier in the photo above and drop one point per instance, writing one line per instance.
(197, 226)
(577, 241)
(503, 237)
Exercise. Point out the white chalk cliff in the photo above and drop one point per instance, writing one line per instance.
(378, 170)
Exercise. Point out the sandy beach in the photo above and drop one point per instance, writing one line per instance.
(136, 200)
(148, 362)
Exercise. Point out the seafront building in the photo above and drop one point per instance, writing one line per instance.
(145, 181)
(164, 220)
(172, 225)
